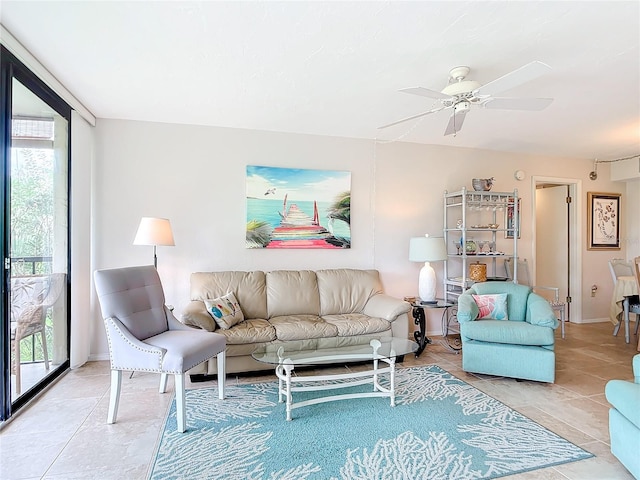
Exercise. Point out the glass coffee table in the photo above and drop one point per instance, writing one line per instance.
(286, 356)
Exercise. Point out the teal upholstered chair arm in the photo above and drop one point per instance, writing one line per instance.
(540, 313)
(624, 395)
(467, 307)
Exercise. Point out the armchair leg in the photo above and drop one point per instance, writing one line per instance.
(17, 365)
(44, 350)
(222, 373)
(163, 382)
(180, 411)
(114, 398)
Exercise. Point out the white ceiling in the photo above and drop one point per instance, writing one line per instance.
(335, 68)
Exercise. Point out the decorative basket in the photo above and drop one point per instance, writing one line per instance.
(478, 272)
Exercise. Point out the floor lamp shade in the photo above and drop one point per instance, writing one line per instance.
(427, 249)
(154, 231)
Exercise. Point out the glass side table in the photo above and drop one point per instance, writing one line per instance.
(450, 326)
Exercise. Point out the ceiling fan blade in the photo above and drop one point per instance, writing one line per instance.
(425, 92)
(455, 123)
(524, 74)
(411, 118)
(518, 103)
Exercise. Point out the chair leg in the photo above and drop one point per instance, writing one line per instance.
(616, 329)
(114, 398)
(222, 373)
(637, 323)
(180, 411)
(625, 309)
(44, 350)
(163, 382)
(16, 352)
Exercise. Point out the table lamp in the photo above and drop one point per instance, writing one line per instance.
(427, 249)
(154, 231)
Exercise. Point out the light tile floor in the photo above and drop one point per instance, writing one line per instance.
(64, 434)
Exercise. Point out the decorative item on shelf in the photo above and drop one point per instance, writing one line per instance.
(482, 184)
(471, 247)
(494, 226)
(478, 272)
(154, 231)
(427, 249)
(458, 245)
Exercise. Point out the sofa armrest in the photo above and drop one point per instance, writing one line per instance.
(195, 315)
(467, 308)
(624, 396)
(636, 366)
(540, 313)
(385, 306)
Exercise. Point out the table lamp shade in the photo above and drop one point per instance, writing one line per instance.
(154, 231)
(427, 249)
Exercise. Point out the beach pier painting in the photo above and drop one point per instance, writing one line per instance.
(298, 208)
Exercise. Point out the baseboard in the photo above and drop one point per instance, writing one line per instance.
(595, 320)
(98, 357)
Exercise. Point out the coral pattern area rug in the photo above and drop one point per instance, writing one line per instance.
(440, 428)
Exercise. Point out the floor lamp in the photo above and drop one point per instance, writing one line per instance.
(427, 249)
(154, 231)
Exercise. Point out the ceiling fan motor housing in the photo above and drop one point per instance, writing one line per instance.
(461, 107)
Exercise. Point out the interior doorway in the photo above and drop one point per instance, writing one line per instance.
(557, 238)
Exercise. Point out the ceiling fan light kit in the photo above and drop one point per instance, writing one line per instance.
(460, 94)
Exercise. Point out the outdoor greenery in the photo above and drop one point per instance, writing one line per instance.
(32, 204)
(32, 221)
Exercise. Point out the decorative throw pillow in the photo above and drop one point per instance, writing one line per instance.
(493, 307)
(225, 310)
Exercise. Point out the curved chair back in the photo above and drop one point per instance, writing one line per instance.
(620, 268)
(134, 296)
(517, 296)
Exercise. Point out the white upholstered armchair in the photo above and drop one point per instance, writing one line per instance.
(144, 335)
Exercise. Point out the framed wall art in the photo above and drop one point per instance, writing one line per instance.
(603, 221)
(298, 208)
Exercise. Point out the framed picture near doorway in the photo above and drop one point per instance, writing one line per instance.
(603, 221)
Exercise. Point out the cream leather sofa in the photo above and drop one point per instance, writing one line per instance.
(294, 305)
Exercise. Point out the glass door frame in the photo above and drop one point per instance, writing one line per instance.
(11, 67)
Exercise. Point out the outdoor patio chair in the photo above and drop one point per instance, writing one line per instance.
(31, 298)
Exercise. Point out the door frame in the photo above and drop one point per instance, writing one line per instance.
(575, 239)
(11, 67)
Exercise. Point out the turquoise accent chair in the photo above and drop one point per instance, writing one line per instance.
(624, 419)
(520, 347)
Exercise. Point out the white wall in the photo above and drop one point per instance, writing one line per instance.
(195, 176)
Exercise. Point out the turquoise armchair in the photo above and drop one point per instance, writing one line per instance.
(624, 419)
(520, 347)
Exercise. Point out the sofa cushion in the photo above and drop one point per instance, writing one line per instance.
(255, 330)
(225, 310)
(493, 307)
(352, 324)
(499, 331)
(292, 292)
(248, 287)
(346, 290)
(301, 327)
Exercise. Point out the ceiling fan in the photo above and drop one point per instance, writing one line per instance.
(460, 95)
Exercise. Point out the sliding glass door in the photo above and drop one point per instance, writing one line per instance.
(35, 235)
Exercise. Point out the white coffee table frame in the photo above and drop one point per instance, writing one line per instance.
(289, 383)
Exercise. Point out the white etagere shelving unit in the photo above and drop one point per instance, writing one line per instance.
(471, 215)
